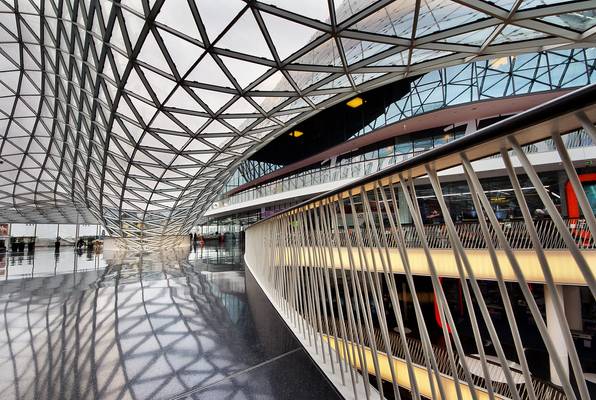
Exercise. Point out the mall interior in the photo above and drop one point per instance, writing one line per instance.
(323, 199)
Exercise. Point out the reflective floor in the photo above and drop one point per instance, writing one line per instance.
(44, 262)
(156, 327)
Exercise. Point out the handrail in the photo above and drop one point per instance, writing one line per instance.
(471, 234)
(362, 255)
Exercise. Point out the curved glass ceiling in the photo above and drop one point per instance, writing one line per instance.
(133, 114)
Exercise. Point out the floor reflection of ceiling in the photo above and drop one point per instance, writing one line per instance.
(124, 332)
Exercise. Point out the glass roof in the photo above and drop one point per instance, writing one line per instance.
(133, 114)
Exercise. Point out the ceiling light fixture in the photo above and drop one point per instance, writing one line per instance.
(296, 133)
(355, 102)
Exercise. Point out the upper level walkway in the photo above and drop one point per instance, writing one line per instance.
(307, 184)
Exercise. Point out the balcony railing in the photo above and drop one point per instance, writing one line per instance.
(358, 167)
(342, 298)
(414, 348)
(471, 236)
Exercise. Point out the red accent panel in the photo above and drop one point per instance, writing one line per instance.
(572, 205)
(437, 313)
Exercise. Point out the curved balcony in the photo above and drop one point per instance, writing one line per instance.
(353, 272)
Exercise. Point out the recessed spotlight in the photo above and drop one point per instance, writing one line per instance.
(355, 102)
(296, 133)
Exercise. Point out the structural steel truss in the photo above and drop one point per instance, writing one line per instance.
(133, 114)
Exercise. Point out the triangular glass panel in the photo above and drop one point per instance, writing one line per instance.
(320, 98)
(6, 64)
(359, 79)
(32, 24)
(400, 58)
(216, 127)
(203, 158)
(473, 38)
(243, 71)
(136, 5)
(529, 3)
(358, 50)
(151, 54)
(161, 85)
(162, 121)
(4, 91)
(268, 103)
(192, 122)
(341, 82)
(305, 79)
(181, 160)
(177, 15)
(197, 145)
(124, 109)
(286, 117)
(176, 141)
(134, 26)
(207, 71)
(24, 6)
(325, 54)
(241, 106)
(346, 9)
(261, 134)
(440, 15)
(396, 20)
(182, 52)
(513, 33)
(276, 82)
(181, 99)
(235, 39)
(298, 103)
(147, 111)
(314, 9)
(135, 85)
(10, 79)
(214, 100)
(266, 123)
(29, 62)
(116, 40)
(288, 36)
(134, 131)
(240, 123)
(422, 55)
(216, 15)
(149, 140)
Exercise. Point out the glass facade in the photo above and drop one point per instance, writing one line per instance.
(133, 115)
(468, 83)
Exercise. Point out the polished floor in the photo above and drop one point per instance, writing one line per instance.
(175, 326)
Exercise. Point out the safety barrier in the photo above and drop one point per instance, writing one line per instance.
(341, 297)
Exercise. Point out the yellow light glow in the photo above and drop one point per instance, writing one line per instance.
(351, 353)
(296, 133)
(446, 264)
(355, 102)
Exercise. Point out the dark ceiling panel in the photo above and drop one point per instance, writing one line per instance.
(331, 126)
